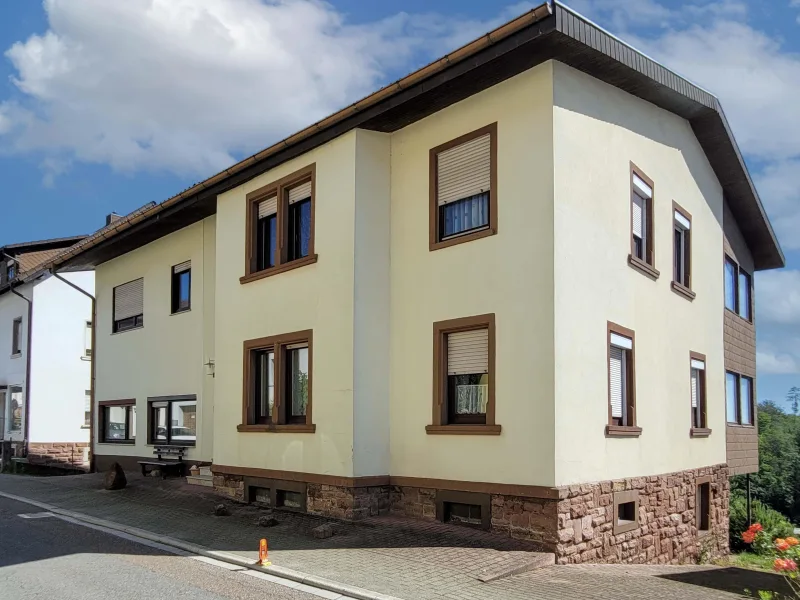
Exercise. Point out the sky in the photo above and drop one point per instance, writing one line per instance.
(107, 105)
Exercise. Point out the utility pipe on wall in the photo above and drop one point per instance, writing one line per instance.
(92, 367)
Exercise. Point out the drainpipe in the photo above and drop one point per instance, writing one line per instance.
(749, 503)
(92, 367)
(26, 434)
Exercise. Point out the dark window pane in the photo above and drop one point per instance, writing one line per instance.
(730, 285)
(297, 382)
(678, 256)
(159, 423)
(704, 491)
(116, 423)
(266, 242)
(464, 215)
(626, 513)
(299, 229)
(638, 247)
(264, 385)
(184, 290)
(744, 295)
(287, 499)
(467, 397)
(462, 514)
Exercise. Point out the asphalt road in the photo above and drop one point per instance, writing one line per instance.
(52, 558)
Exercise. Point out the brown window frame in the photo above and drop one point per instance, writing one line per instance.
(647, 265)
(738, 271)
(625, 497)
(434, 243)
(614, 429)
(703, 518)
(103, 406)
(701, 429)
(283, 423)
(441, 424)
(175, 291)
(16, 337)
(738, 422)
(684, 286)
(281, 189)
(156, 402)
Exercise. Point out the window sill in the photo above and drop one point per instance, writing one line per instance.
(682, 290)
(699, 432)
(127, 330)
(85, 427)
(643, 267)
(300, 262)
(463, 429)
(85, 358)
(16, 355)
(622, 431)
(467, 237)
(120, 443)
(180, 312)
(741, 426)
(288, 428)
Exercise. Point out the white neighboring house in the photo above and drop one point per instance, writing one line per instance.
(45, 356)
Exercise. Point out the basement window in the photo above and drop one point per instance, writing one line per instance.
(260, 495)
(463, 514)
(704, 507)
(287, 499)
(626, 511)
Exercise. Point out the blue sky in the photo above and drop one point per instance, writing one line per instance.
(105, 106)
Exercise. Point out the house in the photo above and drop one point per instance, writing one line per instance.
(45, 356)
(511, 290)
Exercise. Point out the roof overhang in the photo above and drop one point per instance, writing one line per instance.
(550, 31)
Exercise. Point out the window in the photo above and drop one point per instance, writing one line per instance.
(464, 376)
(87, 340)
(118, 421)
(621, 382)
(11, 270)
(15, 409)
(280, 225)
(275, 493)
(739, 399)
(87, 409)
(129, 306)
(16, 337)
(626, 511)
(182, 287)
(682, 250)
(642, 231)
(463, 188)
(172, 420)
(703, 504)
(277, 390)
(464, 508)
(697, 370)
(738, 287)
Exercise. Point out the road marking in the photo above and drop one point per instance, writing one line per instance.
(41, 515)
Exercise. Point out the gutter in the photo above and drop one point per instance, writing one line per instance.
(28, 346)
(529, 18)
(93, 366)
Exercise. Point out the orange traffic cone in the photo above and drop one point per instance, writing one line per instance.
(263, 558)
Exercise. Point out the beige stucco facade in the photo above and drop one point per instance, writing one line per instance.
(553, 275)
(168, 355)
(598, 131)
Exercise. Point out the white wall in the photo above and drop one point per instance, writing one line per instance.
(13, 368)
(60, 373)
(598, 131)
(166, 357)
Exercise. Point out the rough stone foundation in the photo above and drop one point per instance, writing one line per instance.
(667, 529)
(64, 455)
(578, 527)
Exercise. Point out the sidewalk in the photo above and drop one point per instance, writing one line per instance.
(406, 559)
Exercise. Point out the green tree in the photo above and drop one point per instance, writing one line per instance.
(793, 398)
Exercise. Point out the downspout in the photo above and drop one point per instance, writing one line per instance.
(26, 435)
(92, 367)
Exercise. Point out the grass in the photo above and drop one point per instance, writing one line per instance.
(747, 560)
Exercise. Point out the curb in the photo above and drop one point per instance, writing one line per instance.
(281, 572)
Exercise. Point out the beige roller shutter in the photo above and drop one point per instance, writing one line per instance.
(268, 207)
(639, 214)
(695, 385)
(468, 352)
(464, 171)
(616, 371)
(129, 300)
(184, 266)
(300, 192)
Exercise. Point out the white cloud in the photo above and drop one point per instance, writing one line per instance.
(778, 297)
(770, 363)
(187, 85)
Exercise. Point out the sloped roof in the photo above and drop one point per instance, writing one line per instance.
(550, 31)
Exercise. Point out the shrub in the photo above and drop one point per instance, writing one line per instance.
(774, 523)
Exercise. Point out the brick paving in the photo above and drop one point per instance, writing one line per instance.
(407, 559)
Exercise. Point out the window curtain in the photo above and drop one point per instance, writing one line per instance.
(464, 215)
(472, 399)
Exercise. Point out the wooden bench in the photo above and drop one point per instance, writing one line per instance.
(169, 458)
